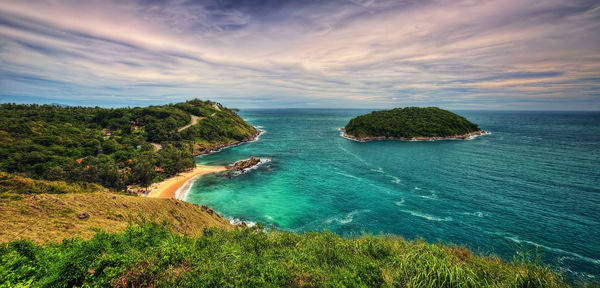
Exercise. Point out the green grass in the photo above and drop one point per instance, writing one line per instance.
(151, 255)
(46, 211)
(12, 185)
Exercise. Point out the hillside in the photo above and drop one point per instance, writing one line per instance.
(411, 123)
(50, 211)
(151, 256)
(113, 147)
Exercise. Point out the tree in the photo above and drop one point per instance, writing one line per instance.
(143, 169)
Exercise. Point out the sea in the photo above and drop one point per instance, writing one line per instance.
(529, 189)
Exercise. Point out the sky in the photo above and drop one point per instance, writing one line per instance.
(454, 54)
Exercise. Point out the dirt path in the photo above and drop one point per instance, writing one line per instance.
(195, 120)
(156, 146)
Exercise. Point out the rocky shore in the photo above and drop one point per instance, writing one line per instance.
(376, 138)
(218, 147)
(244, 164)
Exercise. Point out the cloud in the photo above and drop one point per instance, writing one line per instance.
(454, 54)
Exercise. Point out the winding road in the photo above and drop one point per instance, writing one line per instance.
(195, 120)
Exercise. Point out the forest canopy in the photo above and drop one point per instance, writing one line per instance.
(410, 122)
(112, 147)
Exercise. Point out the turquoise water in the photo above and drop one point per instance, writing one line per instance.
(533, 182)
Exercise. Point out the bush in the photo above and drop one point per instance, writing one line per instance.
(150, 255)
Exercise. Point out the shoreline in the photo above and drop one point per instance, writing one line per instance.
(466, 136)
(174, 186)
(170, 187)
(219, 147)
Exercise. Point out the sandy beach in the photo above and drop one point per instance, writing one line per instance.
(168, 188)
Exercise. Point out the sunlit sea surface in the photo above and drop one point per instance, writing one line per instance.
(533, 182)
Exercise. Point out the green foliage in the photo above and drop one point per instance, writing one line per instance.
(149, 255)
(220, 125)
(45, 141)
(410, 122)
(12, 184)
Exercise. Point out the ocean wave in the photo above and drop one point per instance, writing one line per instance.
(430, 197)
(555, 250)
(379, 170)
(399, 203)
(257, 136)
(347, 218)
(238, 221)
(261, 162)
(348, 175)
(476, 214)
(183, 191)
(395, 179)
(417, 188)
(475, 136)
(427, 216)
(344, 136)
(234, 145)
(353, 154)
(585, 277)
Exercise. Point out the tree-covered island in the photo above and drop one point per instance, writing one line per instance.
(410, 124)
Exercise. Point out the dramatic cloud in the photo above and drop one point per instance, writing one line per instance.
(456, 54)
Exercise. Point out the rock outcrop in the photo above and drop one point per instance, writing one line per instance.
(244, 164)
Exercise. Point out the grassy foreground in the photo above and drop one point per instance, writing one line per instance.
(149, 255)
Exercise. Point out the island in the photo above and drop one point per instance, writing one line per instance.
(410, 124)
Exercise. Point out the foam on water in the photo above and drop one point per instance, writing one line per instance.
(346, 218)
(427, 216)
(516, 239)
(399, 203)
(238, 221)
(263, 160)
(430, 197)
(183, 191)
(395, 179)
(348, 175)
(476, 214)
(353, 154)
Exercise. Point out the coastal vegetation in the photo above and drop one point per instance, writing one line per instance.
(49, 211)
(410, 122)
(113, 147)
(150, 255)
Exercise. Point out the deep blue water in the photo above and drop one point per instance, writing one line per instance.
(533, 182)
